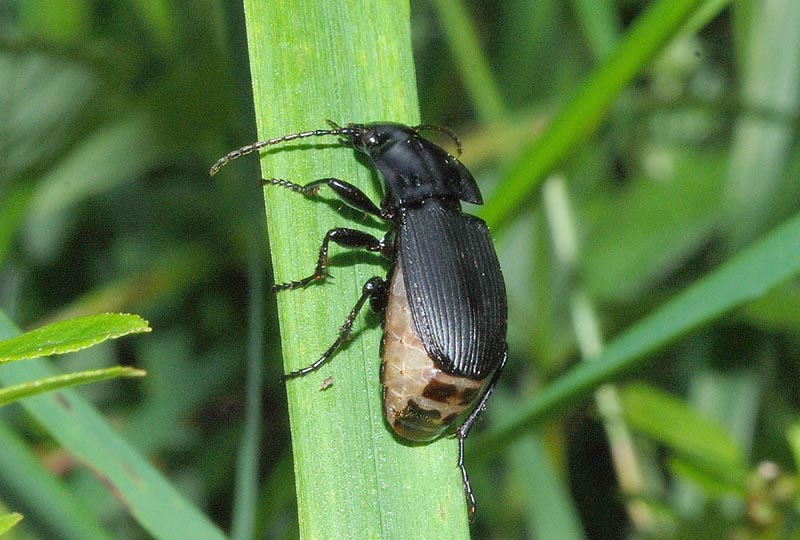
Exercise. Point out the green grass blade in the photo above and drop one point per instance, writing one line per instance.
(793, 437)
(471, 60)
(756, 193)
(349, 61)
(589, 105)
(536, 482)
(707, 11)
(247, 465)
(600, 23)
(70, 336)
(60, 382)
(52, 508)
(551, 513)
(77, 426)
(753, 272)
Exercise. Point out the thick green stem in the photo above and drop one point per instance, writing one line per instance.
(348, 61)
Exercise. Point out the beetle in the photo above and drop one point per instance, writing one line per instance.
(443, 301)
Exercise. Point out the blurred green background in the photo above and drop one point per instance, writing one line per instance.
(112, 113)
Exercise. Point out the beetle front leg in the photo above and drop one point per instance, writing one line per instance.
(374, 289)
(351, 238)
(464, 430)
(350, 194)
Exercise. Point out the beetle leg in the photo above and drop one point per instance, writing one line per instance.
(373, 288)
(350, 194)
(344, 237)
(464, 430)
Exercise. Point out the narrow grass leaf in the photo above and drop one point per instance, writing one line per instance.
(470, 58)
(599, 20)
(793, 437)
(550, 511)
(70, 336)
(57, 510)
(536, 479)
(59, 382)
(245, 511)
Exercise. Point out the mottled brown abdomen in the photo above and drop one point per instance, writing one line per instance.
(420, 401)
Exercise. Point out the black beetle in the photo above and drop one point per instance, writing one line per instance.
(444, 300)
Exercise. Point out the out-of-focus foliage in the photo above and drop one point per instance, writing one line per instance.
(112, 113)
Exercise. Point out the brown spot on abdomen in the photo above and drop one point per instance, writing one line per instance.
(439, 391)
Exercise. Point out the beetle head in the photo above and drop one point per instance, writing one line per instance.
(414, 168)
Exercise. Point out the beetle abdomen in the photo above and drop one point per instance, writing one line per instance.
(420, 400)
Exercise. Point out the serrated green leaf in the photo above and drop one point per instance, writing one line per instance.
(9, 520)
(70, 336)
(672, 422)
(20, 391)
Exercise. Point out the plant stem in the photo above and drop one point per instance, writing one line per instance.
(349, 61)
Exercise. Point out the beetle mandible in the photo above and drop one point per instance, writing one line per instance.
(443, 301)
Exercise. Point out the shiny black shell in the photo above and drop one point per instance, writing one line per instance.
(453, 279)
(455, 287)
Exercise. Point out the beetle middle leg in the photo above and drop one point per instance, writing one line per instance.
(464, 429)
(352, 238)
(375, 289)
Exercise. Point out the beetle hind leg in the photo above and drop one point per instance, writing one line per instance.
(374, 289)
(466, 427)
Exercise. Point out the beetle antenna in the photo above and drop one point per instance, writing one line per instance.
(250, 148)
(441, 129)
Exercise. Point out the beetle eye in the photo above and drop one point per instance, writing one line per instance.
(371, 140)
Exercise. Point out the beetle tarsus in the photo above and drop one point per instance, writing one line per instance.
(300, 284)
(297, 188)
(470, 495)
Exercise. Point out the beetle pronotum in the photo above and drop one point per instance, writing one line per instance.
(443, 300)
